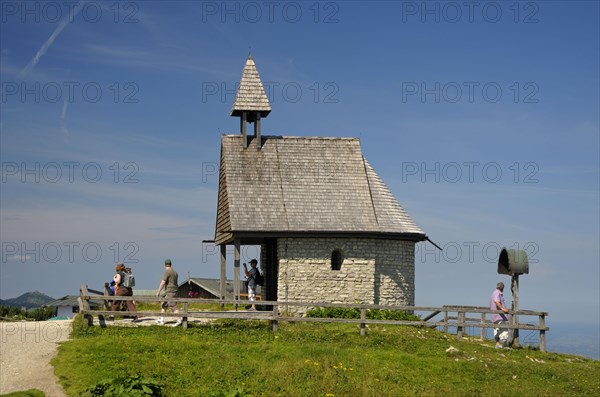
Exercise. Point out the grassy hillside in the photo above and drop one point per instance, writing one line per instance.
(247, 359)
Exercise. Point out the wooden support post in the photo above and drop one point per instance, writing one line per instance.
(363, 325)
(105, 304)
(446, 321)
(257, 131)
(275, 322)
(223, 285)
(482, 331)
(432, 315)
(460, 327)
(243, 130)
(236, 270)
(84, 306)
(106, 294)
(514, 289)
(542, 333)
(184, 322)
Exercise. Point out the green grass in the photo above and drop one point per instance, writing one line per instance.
(235, 358)
(25, 393)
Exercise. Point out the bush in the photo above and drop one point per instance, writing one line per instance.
(79, 330)
(11, 312)
(371, 314)
(42, 313)
(38, 314)
(130, 386)
(239, 391)
(399, 315)
(333, 312)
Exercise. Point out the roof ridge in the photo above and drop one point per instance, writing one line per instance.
(370, 189)
(347, 138)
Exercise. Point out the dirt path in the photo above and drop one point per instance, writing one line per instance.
(26, 349)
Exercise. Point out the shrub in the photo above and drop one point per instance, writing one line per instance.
(38, 314)
(399, 315)
(333, 312)
(130, 386)
(371, 314)
(42, 313)
(239, 391)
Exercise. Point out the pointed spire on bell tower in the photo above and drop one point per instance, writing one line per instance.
(251, 101)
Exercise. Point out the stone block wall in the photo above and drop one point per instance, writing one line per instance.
(373, 271)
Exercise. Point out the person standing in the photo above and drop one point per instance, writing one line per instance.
(251, 275)
(497, 303)
(169, 283)
(122, 290)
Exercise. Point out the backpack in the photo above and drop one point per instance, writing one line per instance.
(128, 280)
(258, 278)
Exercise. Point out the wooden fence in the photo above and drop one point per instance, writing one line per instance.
(458, 317)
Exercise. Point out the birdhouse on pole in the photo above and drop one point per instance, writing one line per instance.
(513, 263)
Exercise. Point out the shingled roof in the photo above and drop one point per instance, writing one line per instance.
(251, 95)
(297, 185)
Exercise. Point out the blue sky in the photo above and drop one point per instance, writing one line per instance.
(483, 119)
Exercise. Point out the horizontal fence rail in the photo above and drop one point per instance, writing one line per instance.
(453, 316)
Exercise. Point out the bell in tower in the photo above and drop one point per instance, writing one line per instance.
(251, 102)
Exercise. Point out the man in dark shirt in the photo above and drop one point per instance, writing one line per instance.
(251, 275)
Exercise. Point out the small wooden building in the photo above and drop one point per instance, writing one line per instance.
(68, 305)
(328, 227)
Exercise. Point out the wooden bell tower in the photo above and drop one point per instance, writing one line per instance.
(251, 102)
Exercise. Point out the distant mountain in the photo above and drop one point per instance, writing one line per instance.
(28, 300)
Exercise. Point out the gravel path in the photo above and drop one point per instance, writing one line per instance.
(26, 349)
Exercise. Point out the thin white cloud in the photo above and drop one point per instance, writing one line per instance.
(40, 53)
(19, 257)
(159, 59)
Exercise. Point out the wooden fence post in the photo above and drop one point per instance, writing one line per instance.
(542, 333)
(184, 323)
(460, 326)
(84, 306)
(363, 325)
(482, 331)
(446, 321)
(275, 322)
(106, 294)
